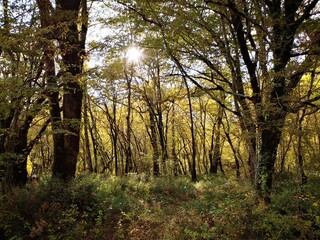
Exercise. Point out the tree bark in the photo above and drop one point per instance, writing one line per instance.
(192, 164)
(46, 16)
(174, 143)
(215, 151)
(93, 134)
(270, 120)
(154, 143)
(300, 161)
(114, 130)
(71, 43)
(269, 141)
(234, 153)
(88, 158)
(128, 151)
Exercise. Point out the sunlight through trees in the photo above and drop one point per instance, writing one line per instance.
(179, 88)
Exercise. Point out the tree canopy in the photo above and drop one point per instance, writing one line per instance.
(209, 86)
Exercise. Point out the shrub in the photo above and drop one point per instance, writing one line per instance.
(97, 207)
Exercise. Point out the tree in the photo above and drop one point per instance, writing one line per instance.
(215, 149)
(256, 51)
(22, 98)
(63, 24)
(153, 80)
(129, 161)
(87, 149)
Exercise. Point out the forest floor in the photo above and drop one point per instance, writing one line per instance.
(138, 207)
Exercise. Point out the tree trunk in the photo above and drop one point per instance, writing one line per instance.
(204, 141)
(115, 134)
(285, 146)
(269, 141)
(114, 130)
(93, 135)
(66, 133)
(128, 151)
(193, 137)
(211, 170)
(16, 148)
(216, 157)
(88, 158)
(72, 51)
(15, 152)
(234, 153)
(4, 127)
(158, 117)
(154, 143)
(299, 149)
(173, 150)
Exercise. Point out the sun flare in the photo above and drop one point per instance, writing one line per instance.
(134, 54)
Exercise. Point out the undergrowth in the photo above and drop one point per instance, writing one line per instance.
(98, 207)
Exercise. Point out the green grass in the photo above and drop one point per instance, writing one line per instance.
(98, 207)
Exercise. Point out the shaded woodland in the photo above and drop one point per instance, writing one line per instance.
(143, 92)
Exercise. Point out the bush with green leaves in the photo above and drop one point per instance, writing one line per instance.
(94, 206)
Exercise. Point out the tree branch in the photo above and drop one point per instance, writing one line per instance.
(37, 138)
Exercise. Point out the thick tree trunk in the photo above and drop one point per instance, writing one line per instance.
(269, 141)
(72, 48)
(55, 111)
(52, 86)
(66, 133)
(72, 102)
